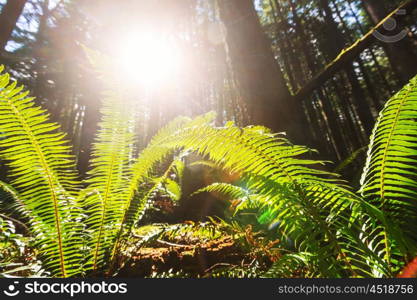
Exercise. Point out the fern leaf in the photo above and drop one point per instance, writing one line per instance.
(143, 167)
(292, 265)
(389, 179)
(111, 159)
(311, 206)
(42, 171)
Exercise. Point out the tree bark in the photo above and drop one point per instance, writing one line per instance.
(400, 54)
(8, 18)
(259, 77)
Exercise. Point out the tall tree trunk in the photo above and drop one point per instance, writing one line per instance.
(329, 116)
(40, 91)
(88, 131)
(337, 44)
(259, 77)
(366, 76)
(8, 18)
(400, 54)
(381, 73)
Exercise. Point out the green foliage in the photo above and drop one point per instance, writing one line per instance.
(11, 243)
(389, 179)
(312, 208)
(17, 257)
(170, 235)
(390, 174)
(79, 230)
(373, 236)
(111, 170)
(42, 170)
(236, 272)
(169, 274)
(292, 265)
(80, 227)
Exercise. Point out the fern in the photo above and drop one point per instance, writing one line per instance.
(272, 159)
(390, 170)
(312, 208)
(389, 179)
(235, 272)
(293, 265)
(141, 170)
(334, 232)
(112, 156)
(111, 198)
(42, 169)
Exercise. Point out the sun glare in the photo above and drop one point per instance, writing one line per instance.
(148, 59)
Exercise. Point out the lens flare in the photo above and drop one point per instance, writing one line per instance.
(148, 59)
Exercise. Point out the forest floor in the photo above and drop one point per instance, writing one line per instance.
(194, 260)
(190, 250)
(195, 257)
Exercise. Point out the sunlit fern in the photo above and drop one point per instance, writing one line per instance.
(80, 230)
(313, 209)
(389, 179)
(42, 170)
(293, 265)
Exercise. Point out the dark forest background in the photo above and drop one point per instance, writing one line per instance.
(310, 68)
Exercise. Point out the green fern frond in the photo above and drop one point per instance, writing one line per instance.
(116, 176)
(226, 189)
(389, 179)
(242, 198)
(10, 191)
(42, 171)
(312, 206)
(144, 166)
(392, 149)
(111, 161)
(293, 265)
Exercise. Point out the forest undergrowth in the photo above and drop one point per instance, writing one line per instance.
(283, 215)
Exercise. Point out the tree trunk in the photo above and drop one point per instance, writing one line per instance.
(8, 18)
(259, 77)
(400, 54)
(364, 71)
(336, 45)
(329, 116)
(381, 73)
(89, 129)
